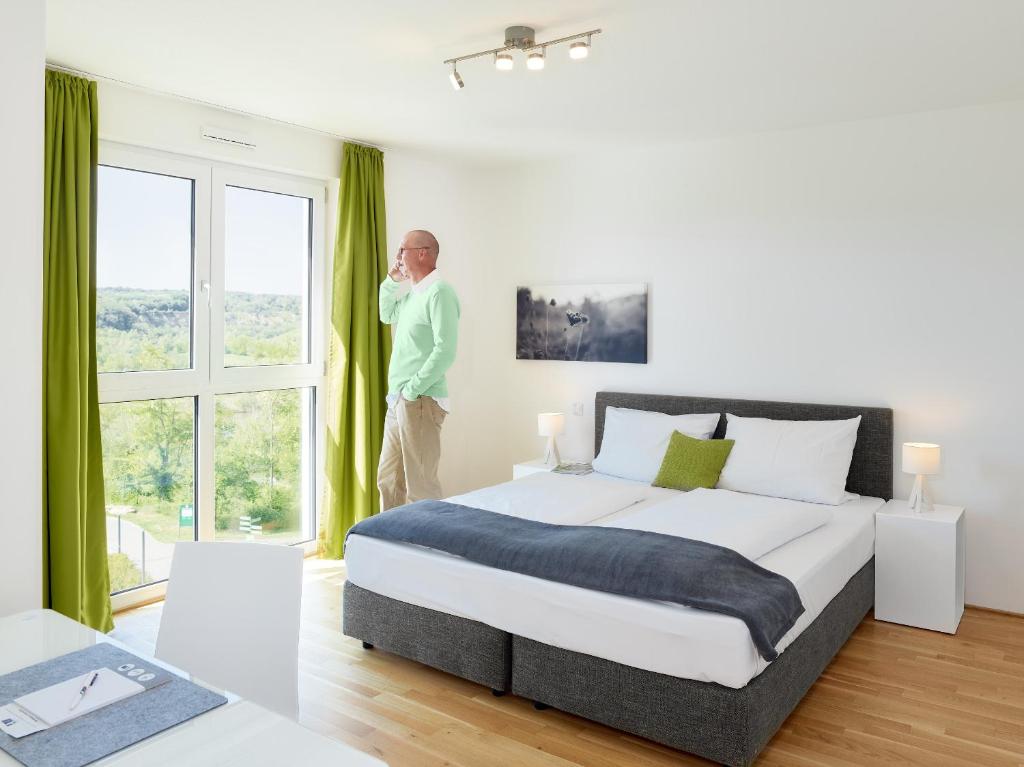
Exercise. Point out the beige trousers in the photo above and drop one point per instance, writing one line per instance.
(411, 452)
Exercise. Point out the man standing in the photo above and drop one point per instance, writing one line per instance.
(426, 321)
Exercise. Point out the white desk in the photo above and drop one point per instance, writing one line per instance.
(239, 733)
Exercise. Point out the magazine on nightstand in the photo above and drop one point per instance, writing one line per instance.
(573, 468)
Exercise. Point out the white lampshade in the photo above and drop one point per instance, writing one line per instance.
(921, 458)
(550, 424)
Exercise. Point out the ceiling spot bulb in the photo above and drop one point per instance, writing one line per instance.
(579, 50)
(503, 61)
(535, 60)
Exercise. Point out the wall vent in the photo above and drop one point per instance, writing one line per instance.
(226, 136)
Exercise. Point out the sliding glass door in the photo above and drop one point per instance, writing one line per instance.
(210, 283)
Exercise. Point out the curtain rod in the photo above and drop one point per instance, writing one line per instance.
(200, 102)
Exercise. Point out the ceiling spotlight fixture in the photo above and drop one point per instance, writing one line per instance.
(520, 38)
(579, 49)
(456, 78)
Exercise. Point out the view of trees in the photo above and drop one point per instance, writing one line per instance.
(149, 446)
(142, 329)
(149, 329)
(258, 459)
(261, 329)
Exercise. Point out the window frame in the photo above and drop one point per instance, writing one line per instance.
(207, 377)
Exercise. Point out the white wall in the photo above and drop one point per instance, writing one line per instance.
(458, 203)
(873, 263)
(22, 57)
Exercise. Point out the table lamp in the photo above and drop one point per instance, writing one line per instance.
(550, 425)
(921, 459)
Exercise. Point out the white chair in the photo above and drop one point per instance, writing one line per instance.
(231, 619)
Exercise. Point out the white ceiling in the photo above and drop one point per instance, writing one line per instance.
(672, 70)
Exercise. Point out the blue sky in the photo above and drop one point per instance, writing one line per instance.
(144, 235)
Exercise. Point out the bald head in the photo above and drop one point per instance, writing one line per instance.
(421, 238)
(418, 253)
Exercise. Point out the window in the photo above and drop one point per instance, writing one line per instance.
(209, 346)
(262, 456)
(267, 242)
(149, 476)
(144, 272)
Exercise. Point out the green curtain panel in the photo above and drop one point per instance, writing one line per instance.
(75, 578)
(360, 347)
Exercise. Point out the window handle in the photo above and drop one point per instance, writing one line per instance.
(204, 285)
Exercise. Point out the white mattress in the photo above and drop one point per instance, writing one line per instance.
(657, 636)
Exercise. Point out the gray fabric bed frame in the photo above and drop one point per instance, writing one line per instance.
(725, 725)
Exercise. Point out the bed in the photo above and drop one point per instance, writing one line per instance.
(683, 677)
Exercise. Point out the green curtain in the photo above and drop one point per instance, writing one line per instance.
(75, 578)
(360, 347)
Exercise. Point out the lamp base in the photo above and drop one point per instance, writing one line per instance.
(920, 499)
(551, 456)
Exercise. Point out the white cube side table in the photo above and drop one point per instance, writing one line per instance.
(919, 566)
(527, 468)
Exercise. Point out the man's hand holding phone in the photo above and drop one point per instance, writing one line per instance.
(396, 273)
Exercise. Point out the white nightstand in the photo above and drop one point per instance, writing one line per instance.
(919, 566)
(526, 468)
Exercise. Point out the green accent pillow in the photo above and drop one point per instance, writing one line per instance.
(691, 463)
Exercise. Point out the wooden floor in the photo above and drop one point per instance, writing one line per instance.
(893, 695)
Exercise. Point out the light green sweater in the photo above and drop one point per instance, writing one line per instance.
(426, 331)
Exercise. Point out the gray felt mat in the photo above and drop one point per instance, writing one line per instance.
(106, 730)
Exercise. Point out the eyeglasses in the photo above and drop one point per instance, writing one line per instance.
(403, 251)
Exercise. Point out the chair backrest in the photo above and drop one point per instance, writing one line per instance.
(231, 619)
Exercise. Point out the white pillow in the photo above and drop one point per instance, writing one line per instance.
(635, 441)
(801, 460)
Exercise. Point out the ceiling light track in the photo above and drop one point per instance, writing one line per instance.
(520, 38)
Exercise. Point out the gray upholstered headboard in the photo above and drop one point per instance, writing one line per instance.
(871, 467)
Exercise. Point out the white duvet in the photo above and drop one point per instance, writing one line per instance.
(657, 636)
(749, 524)
(559, 499)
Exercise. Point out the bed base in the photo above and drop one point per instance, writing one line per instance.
(462, 647)
(726, 725)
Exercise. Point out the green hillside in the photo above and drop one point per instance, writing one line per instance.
(149, 329)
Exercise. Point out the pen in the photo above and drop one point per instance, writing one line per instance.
(83, 691)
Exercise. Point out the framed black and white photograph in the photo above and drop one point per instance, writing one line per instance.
(584, 323)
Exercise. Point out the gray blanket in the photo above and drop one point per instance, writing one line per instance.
(632, 563)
